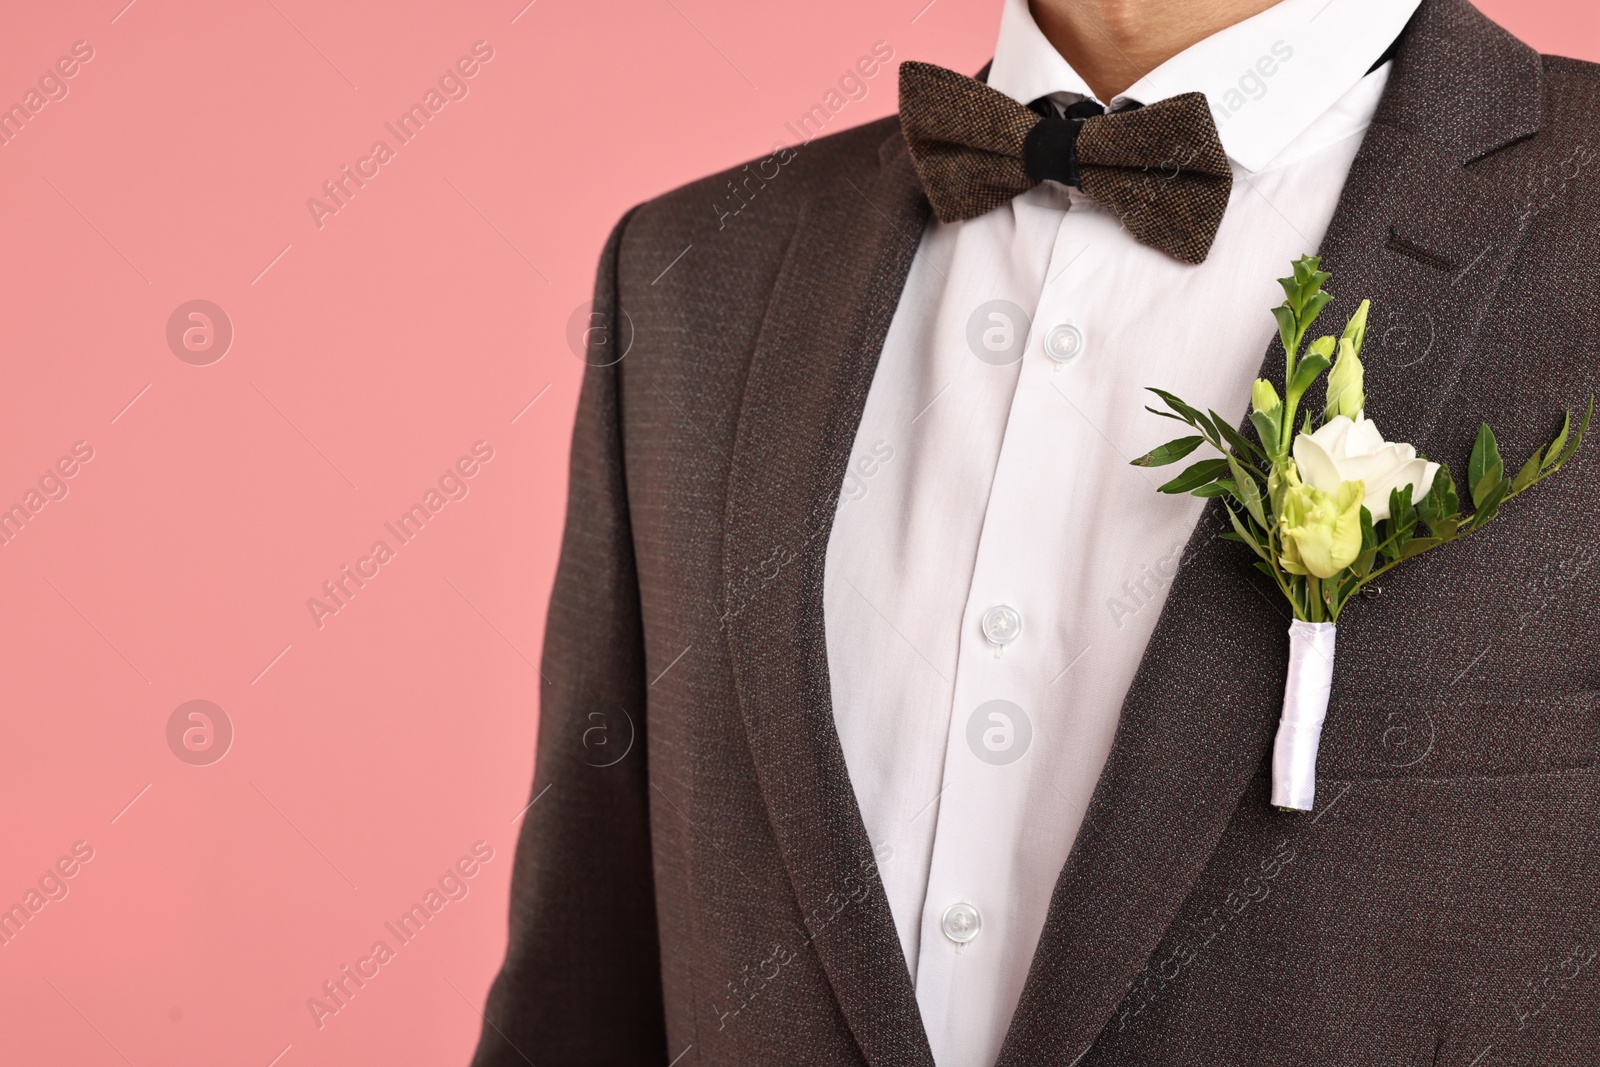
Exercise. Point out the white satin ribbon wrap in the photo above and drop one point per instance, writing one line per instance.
(1305, 705)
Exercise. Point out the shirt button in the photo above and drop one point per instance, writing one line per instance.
(961, 922)
(1063, 342)
(1002, 625)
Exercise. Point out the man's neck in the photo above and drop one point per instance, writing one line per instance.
(1114, 43)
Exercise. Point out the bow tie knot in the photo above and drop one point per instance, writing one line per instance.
(1161, 169)
(1050, 150)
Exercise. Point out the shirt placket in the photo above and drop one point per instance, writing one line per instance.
(1003, 723)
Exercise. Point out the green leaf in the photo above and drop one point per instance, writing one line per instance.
(1429, 507)
(1369, 549)
(1241, 444)
(1529, 472)
(1207, 470)
(1445, 529)
(1491, 503)
(1577, 441)
(1248, 492)
(1485, 486)
(1306, 373)
(1292, 299)
(1314, 306)
(1553, 453)
(1484, 468)
(1392, 532)
(1191, 415)
(1288, 323)
(1268, 427)
(1245, 534)
(1308, 272)
(1168, 415)
(1266, 568)
(1402, 520)
(1220, 487)
(1418, 545)
(1170, 452)
(1438, 508)
(1445, 487)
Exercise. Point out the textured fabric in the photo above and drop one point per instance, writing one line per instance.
(1160, 168)
(983, 460)
(712, 897)
(966, 140)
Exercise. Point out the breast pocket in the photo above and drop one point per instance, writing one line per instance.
(1472, 735)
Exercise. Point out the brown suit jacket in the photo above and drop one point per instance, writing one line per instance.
(710, 896)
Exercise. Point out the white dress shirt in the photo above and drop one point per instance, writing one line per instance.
(996, 567)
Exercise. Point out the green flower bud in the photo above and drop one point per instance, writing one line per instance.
(1264, 398)
(1321, 531)
(1345, 394)
(1355, 331)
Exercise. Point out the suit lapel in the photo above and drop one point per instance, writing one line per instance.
(1428, 240)
(807, 385)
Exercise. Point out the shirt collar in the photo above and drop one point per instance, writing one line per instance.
(1267, 78)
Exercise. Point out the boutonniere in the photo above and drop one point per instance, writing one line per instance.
(1331, 507)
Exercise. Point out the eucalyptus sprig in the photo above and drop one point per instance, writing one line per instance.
(1319, 543)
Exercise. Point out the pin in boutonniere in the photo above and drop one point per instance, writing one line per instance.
(1330, 508)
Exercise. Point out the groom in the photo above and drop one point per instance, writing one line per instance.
(893, 718)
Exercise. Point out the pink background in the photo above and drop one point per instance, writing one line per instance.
(368, 355)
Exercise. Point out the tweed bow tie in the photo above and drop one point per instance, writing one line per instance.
(1161, 169)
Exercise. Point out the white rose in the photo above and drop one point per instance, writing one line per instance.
(1346, 450)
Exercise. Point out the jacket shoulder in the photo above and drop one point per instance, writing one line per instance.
(759, 201)
(1567, 67)
(1572, 97)
(695, 268)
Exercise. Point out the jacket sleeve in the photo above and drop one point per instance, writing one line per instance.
(581, 981)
